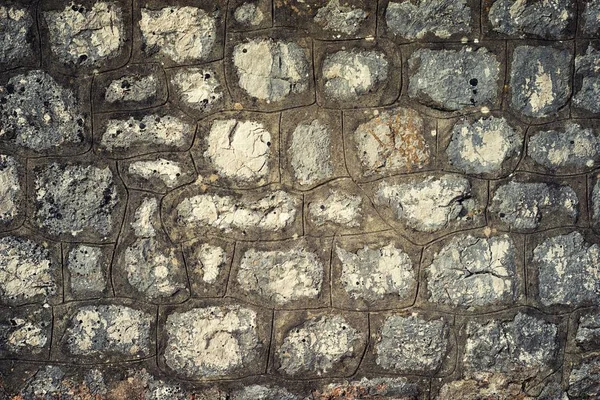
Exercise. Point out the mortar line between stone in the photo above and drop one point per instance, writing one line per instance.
(271, 342)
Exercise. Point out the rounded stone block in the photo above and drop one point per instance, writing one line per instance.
(208, 262)
(244, 15)
(20, 41)
(86, 271)
(25, 332)
(586, 80)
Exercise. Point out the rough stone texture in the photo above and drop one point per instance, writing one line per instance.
(87, 270)
(583, 379)
(590, 20)
(132, 88)
(86, 36)
(573, 147)
(338, 209)
(471, 271)
(166, 170)
(548, 20)
(454, 79)
(271, 70)
(16, 23)
(52, 118)
(412, 344)
(340, 18)
(248, 14)
(540, 80)
(25, 332)
(259, 392)
(310, 152)
(587, 336)
(483, 146)
(371, 388)
(567, 269)
(198, 88)
(414, 20)
(587, 67)
(527, 205)
(10, 189)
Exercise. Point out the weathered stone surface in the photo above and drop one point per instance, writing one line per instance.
(595, 203)
(201, 89)
(39, 114)
(590, 21)
(132, 88)
(443, 19)
(526, 206)
(587, 336)
(208, 263)
(340, 18)
(320, 345)
(28, 272)
(76, 200)
(454, 79)
(87, 271)
(586, 68)
(338, 208)
(584, 379)
(25, 332)
(573, 147)
(214, 341)
(540, 79)
(107, 332)
(372, 388)
(17, 28)
(412, 344)
(473, 271)
(249, 14)
(259, 392)
(86, 36)
(181, 34)
(484, 146)
(10, 190)
(549, 20)
(159, 172)
(310, 152)
(522, 347)
(567, 271)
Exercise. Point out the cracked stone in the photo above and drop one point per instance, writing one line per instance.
(523, 347)
(17, 25)
(75, 200)
(27, 272)
(540, 80)
(86, 36)
(392, 142)
(87, 271)
(373, 273)
(338, 18)
(572, 146)
(10, 189)
(310, 152)
(354, 73)
(588, 66)
(102, 330)
(567, 270)
(39, 114)
(588, 332)
(337, 208)
(198, 88)
(483, 146)
(441, 18)
(412, 344)
(548, 19)
(430, 204)
(271, 70)
(584, 379)
(239, 150)
(182, 34)
(135, 88)
(25, 331)
(454, 79)
(591, 17)
(524, 205)
(212, 341)
(282, 276)
(470, 271)
(248, 14)
(318, 345)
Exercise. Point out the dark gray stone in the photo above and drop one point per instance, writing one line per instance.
(588, 332)
(16, 25)
(590, 17)
(87, 268)
(340, 18)
(584, 379)
(454, 79)
(540, 80)
(546, 19)
(10, 189)
(588, 66)
(259, 392)
(25, 332)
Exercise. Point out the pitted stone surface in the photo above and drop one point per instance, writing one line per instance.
(211, 341)
(239, 149)
(588, 66)
(317, 345)
(587, 336)
(282, 276)
(16, 23)
(373, 273)
(337, 17)
(75, 199)
(271, 70)
(86, 37)
(483, 146)
(25, 331)
(132, 88)
(392, 142)
(590, 16)
(86, 271)
(540, 80)
(414, 20)
(169, 172)
(523, 205)
(471, 271)
(547, 19)
(351, 74)
(10, 189)
(430, 204)
(583, 379)
(525, 345)
(182, 34)
(198, 88)
(572, 146)
(568, 270)
(248, 14)
(27, 273)
(337, 208)
(105, 329)
(454, 79)
(52, 115)
(412, 344)
(310, 152)
(394, 388)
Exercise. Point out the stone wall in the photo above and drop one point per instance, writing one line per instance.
(299, 199)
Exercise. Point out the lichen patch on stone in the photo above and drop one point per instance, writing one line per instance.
(572, 147)
(547, 19)
(85, 266)
(337, 208)
(442, 18)
(340, 18)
